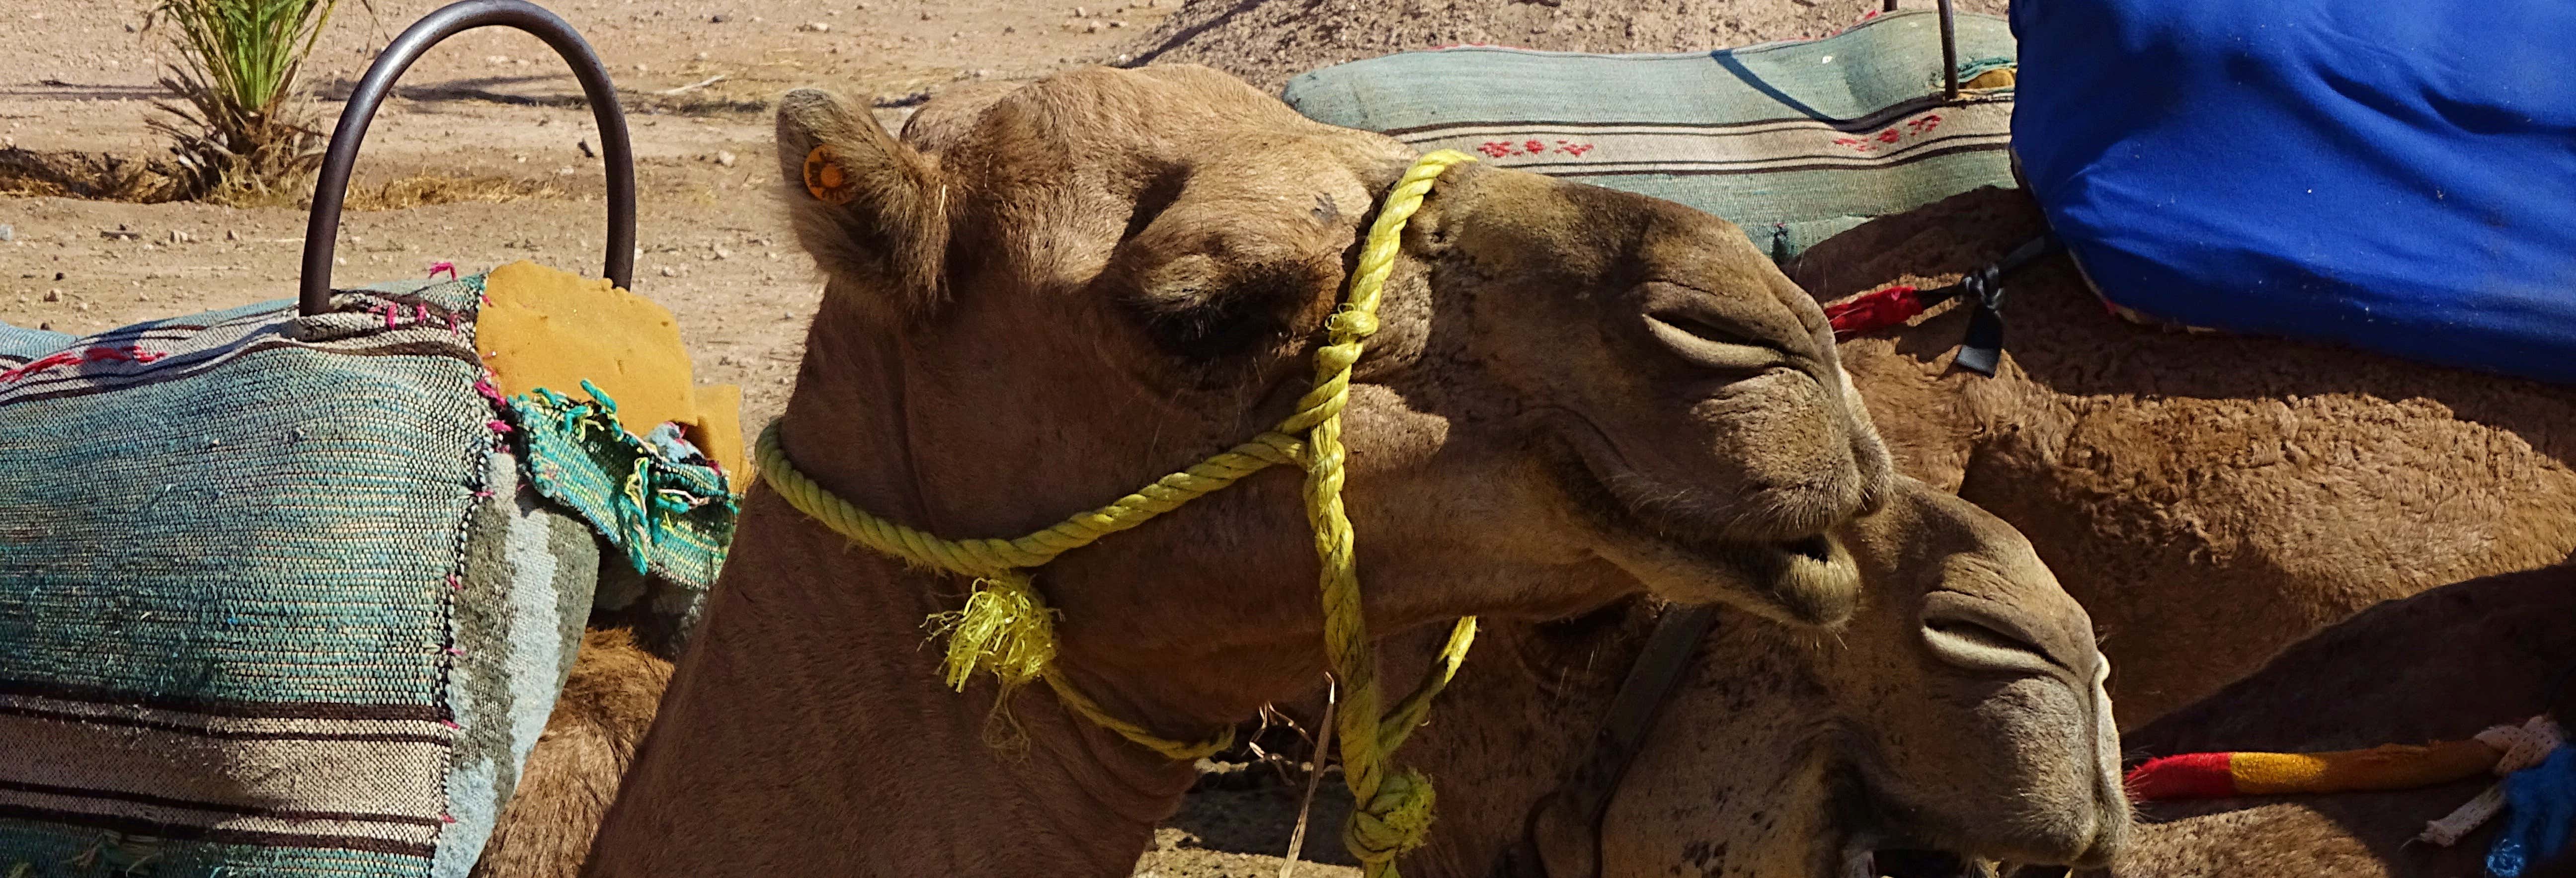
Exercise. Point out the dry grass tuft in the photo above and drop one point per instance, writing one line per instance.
(96, 176)
(423, 190)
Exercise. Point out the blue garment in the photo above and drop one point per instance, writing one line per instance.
(2540, 807)
(2396, 176)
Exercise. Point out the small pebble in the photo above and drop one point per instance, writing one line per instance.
(668, 271)
(54, 295)
(718, 19)
(8, 233)
(724, 158)
(819, 27)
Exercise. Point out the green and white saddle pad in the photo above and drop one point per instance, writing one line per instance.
(1792, 141)
(279, 596)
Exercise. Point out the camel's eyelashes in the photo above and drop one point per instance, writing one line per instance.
(1711, 344)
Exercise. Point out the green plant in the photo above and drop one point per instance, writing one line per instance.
(242, 134)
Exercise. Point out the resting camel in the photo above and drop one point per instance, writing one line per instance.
(2210, 498)
(2440, 665)
(1961, 713)
(1039, 302)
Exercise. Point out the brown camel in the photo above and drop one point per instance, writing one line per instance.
(1960, 713)
(1041, 302)
(2440, 665)
(2437, 666)
(2210, 498)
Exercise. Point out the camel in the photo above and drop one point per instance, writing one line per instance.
(1042, 300)
(2210, 498)
(1960, 716)
(2440, 665)
(2437, 666)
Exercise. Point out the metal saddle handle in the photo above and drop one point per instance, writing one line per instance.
(322, 228)
(1949, 50)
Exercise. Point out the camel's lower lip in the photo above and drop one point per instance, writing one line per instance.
(1920, 863)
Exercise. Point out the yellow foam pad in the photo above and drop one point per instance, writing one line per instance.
(2386, 767)
(719, 431)
(553, 329)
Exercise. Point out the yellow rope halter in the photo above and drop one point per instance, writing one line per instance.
(1007, 628)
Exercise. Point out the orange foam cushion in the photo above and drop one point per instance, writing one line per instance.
(552, 329)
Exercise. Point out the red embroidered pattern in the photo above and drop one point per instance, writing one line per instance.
(97, 354)
(1502, 148)
(1894, 134)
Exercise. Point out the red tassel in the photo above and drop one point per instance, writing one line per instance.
(2188, 776)
(1873, 311)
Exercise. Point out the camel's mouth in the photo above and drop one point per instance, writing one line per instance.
(1806, 577)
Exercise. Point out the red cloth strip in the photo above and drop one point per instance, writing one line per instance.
(1873, 311)
(2188, 776)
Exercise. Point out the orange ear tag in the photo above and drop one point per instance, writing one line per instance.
(825, 179)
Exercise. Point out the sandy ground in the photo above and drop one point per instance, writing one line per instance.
(697, 78)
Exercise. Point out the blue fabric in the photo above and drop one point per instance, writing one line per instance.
(2400, 177)
(2540, 802)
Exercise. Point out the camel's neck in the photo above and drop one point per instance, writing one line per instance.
(807, 730)
(807, 733)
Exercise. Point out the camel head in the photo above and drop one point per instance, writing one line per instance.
(1101, 277)
(1960, 716)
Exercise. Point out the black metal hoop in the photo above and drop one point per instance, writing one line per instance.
(322, 228)
(1949, 49)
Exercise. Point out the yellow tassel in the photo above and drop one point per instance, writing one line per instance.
(1005, 628)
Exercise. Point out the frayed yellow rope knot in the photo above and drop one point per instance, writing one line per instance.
(1004, 628)
(1007, 629)
(1390, 823)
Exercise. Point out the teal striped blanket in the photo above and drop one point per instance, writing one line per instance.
(1792, 141)
(278, 596)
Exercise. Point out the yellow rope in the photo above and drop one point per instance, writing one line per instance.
(1006, 627)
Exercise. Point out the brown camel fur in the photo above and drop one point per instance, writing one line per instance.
(2437, 666)
(571, 776)
(1960, 712)
(2210, 498)
(1099, 278)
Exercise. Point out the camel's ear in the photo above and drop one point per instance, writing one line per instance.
(869, 209)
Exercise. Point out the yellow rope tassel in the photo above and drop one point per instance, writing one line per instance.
(1007, 629)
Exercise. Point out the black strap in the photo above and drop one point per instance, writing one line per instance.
(1585, 793)
(1983, 347)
